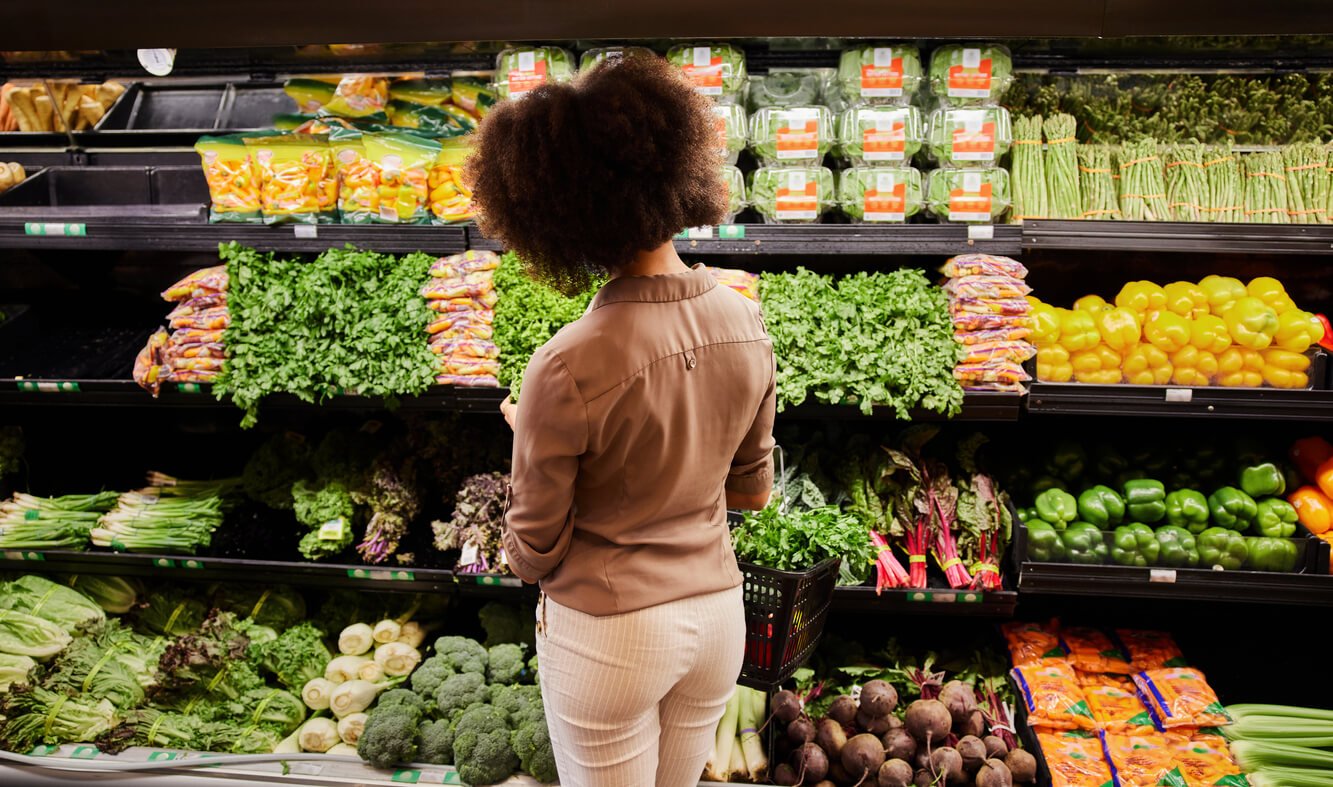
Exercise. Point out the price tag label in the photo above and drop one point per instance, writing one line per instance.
(19, 554)
(192, 563)
(1164, 575)
(981, 232)
(731, 231)
(159, 756)
(696, 233)
(60, 386)
(491, 580)
(305, 231)
(43, 751)
(84, 753)
(189, 388)
(1182, 395)
(381, 574)
(161, 562)
(411, 776)
(55, 229)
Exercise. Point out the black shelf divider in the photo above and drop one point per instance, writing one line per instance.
(1267, 404)
(1173, 236)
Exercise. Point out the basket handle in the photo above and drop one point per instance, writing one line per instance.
(782, 478)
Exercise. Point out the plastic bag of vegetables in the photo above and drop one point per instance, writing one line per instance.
(791, 194)
(879, 74)
(596, 55)
(868, 135)
(732, 130)
(975, 196)
(969, 137)
(782, 89)
(800, 135)
(962, 74)
(524, 69)
(880, 194)
(735, 192)
(715, 70)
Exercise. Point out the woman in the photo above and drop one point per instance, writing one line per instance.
(638, 425)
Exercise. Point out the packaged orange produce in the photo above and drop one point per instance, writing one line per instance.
(197, 305)
(1017, 334)
(297, 182)
(186, 336)
(965, 321)
(744, 282)
(148, 367)
(1119, 711)
(468, 380)
(1141, 760)
(1092, 651)
(983, 265)
(466, 365)
(470, 261)
(201, 283)
(1150, 650)
(213, 319)
(986, 287)
(469, 285)
(173, 351)
(1008, 306)
(1075, 760)
(444, 328)
(1122, 682)
(1030, 643)
(1181, 697)
(450, 196)
(358, 177)
(465, 348)
(479, 303)
(404, 163)
(192, 376)
(1208, 764)
(1005, 372)
(1053, 698)
(998, 351)
(233, 182)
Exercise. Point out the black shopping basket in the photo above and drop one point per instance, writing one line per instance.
(784, 617)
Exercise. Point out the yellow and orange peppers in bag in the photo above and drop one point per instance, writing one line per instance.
(297, 182)
(450, 198)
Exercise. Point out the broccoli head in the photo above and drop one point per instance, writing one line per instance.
(459, 692)
(390, 736)
(436, 744)
(428, 676)
(463, 654)
(521, 703)
(394, 697)
(481, 746)
(506, 664)
(508, 623)
(532, 669)
(532, 744)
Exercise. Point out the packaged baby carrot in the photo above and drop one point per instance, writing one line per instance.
(1208, 764)
(199, 284)
(296, 178)
(1092, 651)
(233, 183)
(1149, 650)
(1089, 679)
(1030, 643)
(1075, 759)
(470, 261)
(1053, 697)
(1181, 697)
(404, 163)
(1119, 711)
(1146, 760)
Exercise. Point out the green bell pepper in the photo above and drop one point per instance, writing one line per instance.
(1067, 462)
(1188, 509)
(1057, 507)
(1273, 554)
(1232, 508)
(1178, 547)
(1045, 482)
(1134, 544)
(1264, 480)
(1222, 548)
(1276, 518)
(1101, 506)
(1084, 544)
(1205, 463)
(1145, 500)
(1044, 543)
(1108, 464)
(1027, 515)
(1151, 459)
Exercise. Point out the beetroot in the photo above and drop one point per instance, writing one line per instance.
(948, 763)
(862, 756)
(923, 779)
(843, 711)
(810, 762)
(875, 725)
(801, 731)
(959, 700)
(1022, 766)
(831, 738)
(894, 773)
(899, 745)
(785, 776)
(878, 698)
(786, 707)
(975, 725)
(994, 774)
(928, 721)
(838, 775)
(996, 748)
(973, 752)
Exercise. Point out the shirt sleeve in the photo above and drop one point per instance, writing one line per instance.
(752, 466)
(551, 434)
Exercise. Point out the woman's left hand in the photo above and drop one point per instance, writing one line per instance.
(510, 410)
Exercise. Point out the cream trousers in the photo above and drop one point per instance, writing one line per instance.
(633, 700)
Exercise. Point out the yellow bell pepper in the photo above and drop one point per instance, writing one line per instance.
(1078, 331)
(1053, 364)
(1119, 328)
(1271, 292)
(1193, 366)
(1285, 360)
(1278, 377)
(1297, 330)
(1209, 332)
(1099, 365)
(1091, 303)
(1142, 297)
(1168, 331)
(1240, 368)
(1146, 365)
(1221, 292)
(1251, 323)
(1186, 299)
(1045, 324)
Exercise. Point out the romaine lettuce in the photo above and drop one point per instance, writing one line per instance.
(970, 74)
(523, 69)
(716, 70)
(791, 135)
(879, 74)
(975, 196)
(874, 135)
(975, 137)
(793, 195)
(880, 194)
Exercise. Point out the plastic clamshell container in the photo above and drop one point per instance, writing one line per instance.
(732, 130)
(735, 192)
(791, 135)
(792, 195)
(877, 195)
(877, 136)
(879, 74)
(978, 195)
(596, 55)
(972, 137)
(523, 69)
(782, 89)
(715, 70)
(968, 74)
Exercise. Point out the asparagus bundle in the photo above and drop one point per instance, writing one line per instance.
(1142, 185)
(1098, 183)
(1225, 196)
(1186, 185)
(1265, 188)
(1062, 186)
(1028, 173)
(1307, 183)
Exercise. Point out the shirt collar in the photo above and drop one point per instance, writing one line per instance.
(656, 289)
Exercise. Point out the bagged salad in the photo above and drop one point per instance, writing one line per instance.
(879, 74)
(791, 194)
(715, 70)
(974, 196)
(880, 194)
(783, 135)
(969, 74)
(782, 89)
(735, 192)
(732, 130)
(523, 69)
(871, 135)
(592, 57)
(969, 137)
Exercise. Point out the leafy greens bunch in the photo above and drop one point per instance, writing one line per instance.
(527, 314)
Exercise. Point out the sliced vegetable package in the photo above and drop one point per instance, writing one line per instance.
(468, 380)
(202, 283)
(470, 261)
(297, 180)
(992, 336)
(197, 305)
(1053, 698)
(967, 74)
(1003, 372)
(791, 194)
(524, 69)
(1117, 710)
(983, 265)
(986, 286)
(1181, 697)
(1150, 650)
(744, 282)
(359, 96)
(207, 320)
(450, 198)
(965, 321)
(1031, 643)
(460, 325)
(1208, 763)
(465, 348)
(484, 301)
(595, 56)
(468, 365)
(880, 194)
(233, 181)
(973, 196)
(969, 137)
(782, 89)
(1140, 760)
(149, 368)
(715, 70)
(1005, 352)
(1092, 651)
(735, 192)
(872, 135)
(1075, 760)
(733, 130)
(791, 135)
(469, 285)
(404, 162)
(879, 74)
(964, 304)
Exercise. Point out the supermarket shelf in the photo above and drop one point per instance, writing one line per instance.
(930, 601)
(1178, 236)
(1175, 584)
(1266, 404)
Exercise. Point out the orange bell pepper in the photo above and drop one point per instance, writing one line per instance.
(1313, 509)
(1209, 332)
(1142, 297)
(1091, 303)
(1146, 365)
(1308, 453)
(1323, 477)
(1119, 327)
(1053, 364)
(1078, 331)
(1167, 331)
(1221, 292)
(1271, 292)
(1186, 298)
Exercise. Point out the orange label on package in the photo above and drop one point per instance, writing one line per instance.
(720, 123)
(798, 197)
(974, 139)
(705, 71)
(887, 201)
(886, 140)
(530, 74)
(972, 202)
(883, 77)
(798, 135)
(971, 78)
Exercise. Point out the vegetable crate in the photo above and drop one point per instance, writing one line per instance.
(784, 617)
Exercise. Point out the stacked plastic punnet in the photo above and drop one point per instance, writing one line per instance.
(461, 292)
(194, 350)
(990, 317)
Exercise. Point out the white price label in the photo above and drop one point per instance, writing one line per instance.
(796, 181)
(972, 182)
(703, 56)
(884, 182)
(1180, 395)
(883, 56)
(527, 61)
(1164, 575)
(971, 58)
